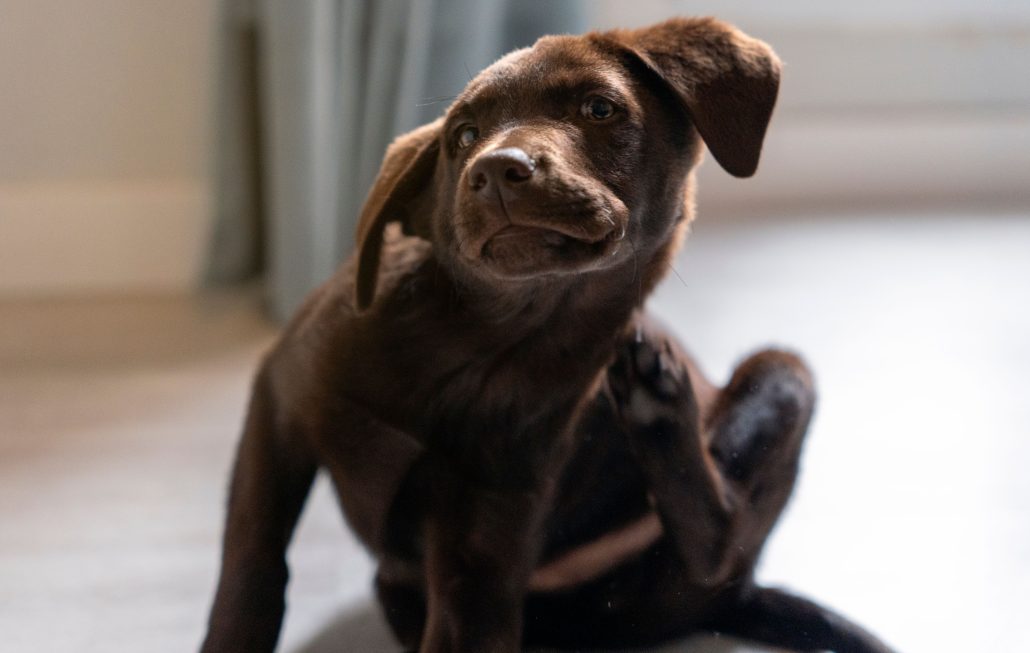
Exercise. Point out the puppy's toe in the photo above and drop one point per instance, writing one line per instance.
(657, 369)
(619, 378)
(646, 381)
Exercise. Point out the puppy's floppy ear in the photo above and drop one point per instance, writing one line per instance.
(727, 80)
(403, 192)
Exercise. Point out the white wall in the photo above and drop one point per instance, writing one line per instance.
(884, 103)
(104, 156)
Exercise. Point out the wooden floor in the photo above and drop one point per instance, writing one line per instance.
(118, 420)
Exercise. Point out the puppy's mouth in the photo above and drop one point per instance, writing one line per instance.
(524, 251)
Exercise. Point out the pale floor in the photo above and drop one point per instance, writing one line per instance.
(118, 420)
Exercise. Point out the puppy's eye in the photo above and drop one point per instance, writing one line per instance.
(467, 135)
(597, 108)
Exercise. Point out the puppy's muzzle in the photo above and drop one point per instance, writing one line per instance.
(517, 190)
(530, 211)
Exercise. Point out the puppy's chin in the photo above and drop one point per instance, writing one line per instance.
(527, 252)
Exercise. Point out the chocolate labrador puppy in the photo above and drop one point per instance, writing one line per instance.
(529, 459)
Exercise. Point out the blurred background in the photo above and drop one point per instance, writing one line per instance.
(174, 177)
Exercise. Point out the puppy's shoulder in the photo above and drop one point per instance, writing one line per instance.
(401, 257)
(329, 316)
(328, 339)
(334, 303)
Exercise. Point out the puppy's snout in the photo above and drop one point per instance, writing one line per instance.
(500, 169)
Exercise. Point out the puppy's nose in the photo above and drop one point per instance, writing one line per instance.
(500, 169)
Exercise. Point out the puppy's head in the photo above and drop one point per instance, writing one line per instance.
(574, 155)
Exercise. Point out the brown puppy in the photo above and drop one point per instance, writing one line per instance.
(528, 459)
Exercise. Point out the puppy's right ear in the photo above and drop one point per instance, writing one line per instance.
(727, 81)
(403, 192)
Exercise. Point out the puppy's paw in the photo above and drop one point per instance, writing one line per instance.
(648, 383)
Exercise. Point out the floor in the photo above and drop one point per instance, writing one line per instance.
(118, 420)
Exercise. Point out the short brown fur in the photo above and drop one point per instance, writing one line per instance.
(528, 457)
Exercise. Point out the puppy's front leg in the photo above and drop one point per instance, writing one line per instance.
(270, 482)
(479, 555)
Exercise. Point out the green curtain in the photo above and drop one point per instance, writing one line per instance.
(311, 92)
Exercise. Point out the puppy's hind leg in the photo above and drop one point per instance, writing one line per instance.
(756, 429)
(720, 483)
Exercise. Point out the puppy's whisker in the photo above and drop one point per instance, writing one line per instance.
(677, 273)
(636, 269)
(425, 102)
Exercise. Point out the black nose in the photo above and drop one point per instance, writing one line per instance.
(500, 169)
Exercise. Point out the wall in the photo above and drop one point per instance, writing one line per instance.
(103, 144)
(884, 104)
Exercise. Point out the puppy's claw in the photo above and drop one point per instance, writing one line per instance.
(656, 369)
(619, 378)
(646, 382)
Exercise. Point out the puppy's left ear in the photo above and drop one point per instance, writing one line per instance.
(727, 81)
(403, 192)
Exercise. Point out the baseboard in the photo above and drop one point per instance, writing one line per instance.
(102, 237)
(150, 236)
(882, 161)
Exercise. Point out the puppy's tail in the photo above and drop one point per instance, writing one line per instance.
(780, 619)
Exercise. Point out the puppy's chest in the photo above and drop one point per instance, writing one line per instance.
(466, 397)
(483, 392)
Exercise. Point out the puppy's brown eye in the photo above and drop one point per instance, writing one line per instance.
(467, 135)
(597, 108)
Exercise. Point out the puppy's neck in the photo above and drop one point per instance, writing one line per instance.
(597, 303)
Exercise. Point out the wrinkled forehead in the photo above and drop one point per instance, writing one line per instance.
(554, 65)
